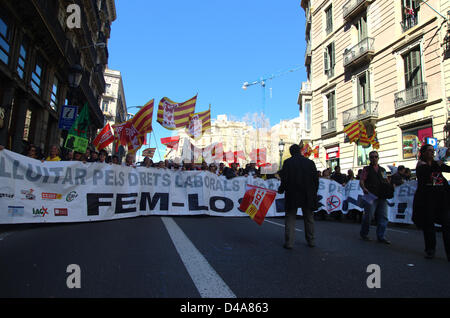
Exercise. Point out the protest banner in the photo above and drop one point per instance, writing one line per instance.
(32, 191)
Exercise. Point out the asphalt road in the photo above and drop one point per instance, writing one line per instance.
(213, 257)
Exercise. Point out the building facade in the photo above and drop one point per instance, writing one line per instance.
(380, 62)
(43, 43)
(113, 104)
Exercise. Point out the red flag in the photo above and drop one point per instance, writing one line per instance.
(104, 138)
(256, 202)
(171, 142)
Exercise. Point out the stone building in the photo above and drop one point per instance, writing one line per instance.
(382, 63)
(45, 46)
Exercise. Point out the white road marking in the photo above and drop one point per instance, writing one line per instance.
(4, 235)
(209, 284)
(279, 224)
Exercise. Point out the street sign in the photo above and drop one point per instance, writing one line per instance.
(433, 142)
(67, 117)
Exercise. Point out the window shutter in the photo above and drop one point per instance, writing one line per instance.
(325, 61)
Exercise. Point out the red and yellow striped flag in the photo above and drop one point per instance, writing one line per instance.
(363, 138)
(374, 140)
(132, 132)
(173, 115)
(142, 120)
(353, 131)
(199, 123)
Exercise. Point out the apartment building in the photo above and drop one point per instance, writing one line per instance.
(41, 56)
(379, 62)
(114, 105)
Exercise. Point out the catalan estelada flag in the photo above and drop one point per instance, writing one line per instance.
(173, 115)
(257, 202)
(352, 131)
(199, 123)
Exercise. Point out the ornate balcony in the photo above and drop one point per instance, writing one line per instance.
(353, 7)
(328, 127)
(361, 52)
(368, 110)
(411, 96)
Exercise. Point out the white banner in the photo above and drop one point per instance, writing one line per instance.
(71, 191)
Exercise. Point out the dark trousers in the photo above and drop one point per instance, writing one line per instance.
(429, 234)
(289, 230)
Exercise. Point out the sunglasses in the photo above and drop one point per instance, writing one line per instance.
(373, 157)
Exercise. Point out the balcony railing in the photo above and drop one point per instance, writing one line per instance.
(411, 96)
(353, 7)
(363, 111)
(409, 22)
(328, 127)
(365, 48)
(306, 88)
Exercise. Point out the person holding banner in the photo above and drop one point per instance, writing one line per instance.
(53, 154)
(300, 183)
(431, 201)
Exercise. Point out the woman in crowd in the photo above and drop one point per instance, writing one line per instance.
(53, 154)
(431, 200)
(212, 168)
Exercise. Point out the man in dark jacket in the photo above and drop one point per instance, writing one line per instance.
(300, 182)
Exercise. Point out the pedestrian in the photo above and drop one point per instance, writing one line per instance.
(374, 180)
(115, 160)
(148, 163)
(398, 178)
(103, 154)
(53, 154)
(407, 175)
(94, 156)
(338, 176)
(326, 174)
(431, 201)
(231, 172)
(350, 175)
(129, 161)
(212, 168)
(68, 156)
(300, 183)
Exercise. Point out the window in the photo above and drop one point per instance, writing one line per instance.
(363, 88)
(105, 106)
(329, 19)
(414, 138)
(329, 60)
(54, 95)
(331, 104)
(363, 155)
(36, 76)
(413, 68)
(22, 59)
(410, 11)
(308, 115)
(361, 26)
(5, 34)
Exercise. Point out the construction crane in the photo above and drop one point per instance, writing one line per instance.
(262, 81)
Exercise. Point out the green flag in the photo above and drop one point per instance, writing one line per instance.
(77, 137)
(81, 124)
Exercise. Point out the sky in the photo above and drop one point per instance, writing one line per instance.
(179, 48)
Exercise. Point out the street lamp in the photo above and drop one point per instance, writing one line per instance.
(75, 75)
(281, 148)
